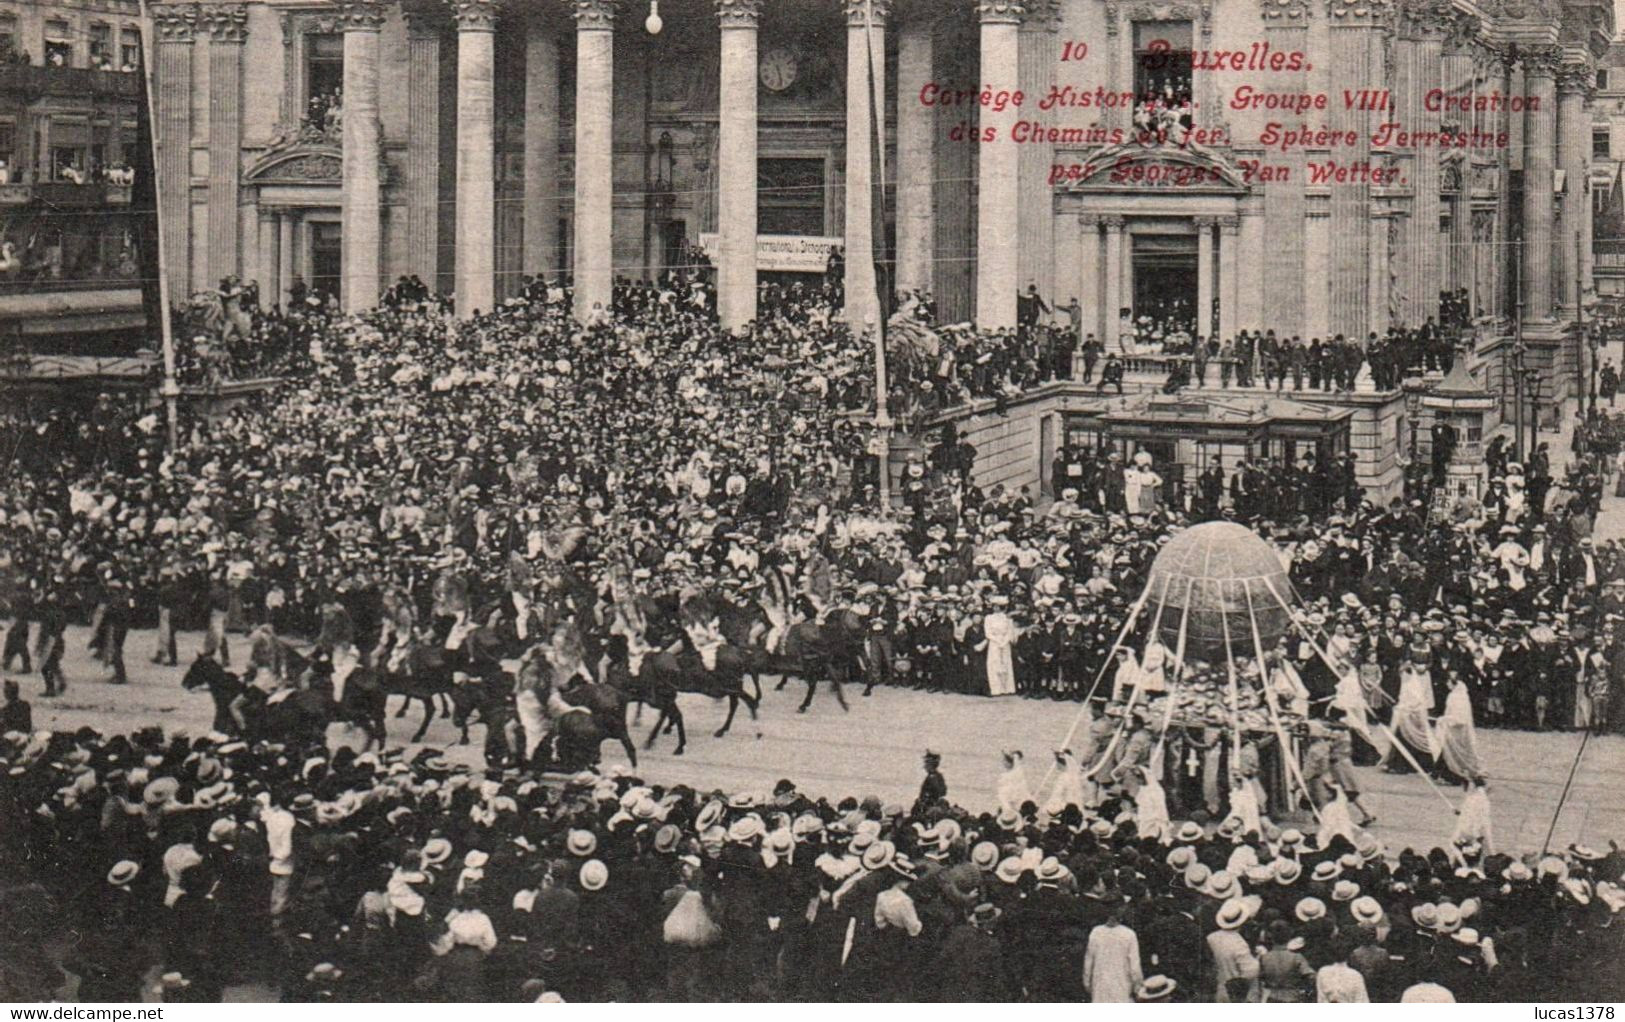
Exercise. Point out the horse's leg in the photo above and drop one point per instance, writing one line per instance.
(756, 679)
(655, 733)
(620, 733)
(812, 687)
(751, 702)
(733, 707)
(682, 732)
(428, 715)
(835, 683)
(406, 704)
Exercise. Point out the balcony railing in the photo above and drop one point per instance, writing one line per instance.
(65, 193)
(33, 82)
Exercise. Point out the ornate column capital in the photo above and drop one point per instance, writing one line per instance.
(739, 13)
(1089, 221)
(1113, 223)
(224, 23)
(1576, 77)
(858, 11)
(1229, 225)
(1205, 222)
(593, 14)
(361, 16)
(476, 15)
(1042, 16)
(175, 23)
(1285, 12)
(1001, 12)
(1358, 13)
(1426, 20)
(1541, 61)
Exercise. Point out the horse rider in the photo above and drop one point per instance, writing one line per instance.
(267, 674)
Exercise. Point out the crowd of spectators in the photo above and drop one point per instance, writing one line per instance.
(169, 868)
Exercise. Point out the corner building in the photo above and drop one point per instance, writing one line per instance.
(476, 141)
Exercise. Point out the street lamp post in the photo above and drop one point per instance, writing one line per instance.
(1533, 386)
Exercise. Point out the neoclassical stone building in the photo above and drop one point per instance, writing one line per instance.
(480, 140)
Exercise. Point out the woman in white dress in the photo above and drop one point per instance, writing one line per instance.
(1000, 633)
(1013, 789)
(1151, 806)
(1111, 964)
(1411, 730)
(1454, 739)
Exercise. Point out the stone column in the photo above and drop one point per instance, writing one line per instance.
(475, 282)
(916, 155)
(169, 47)
(1356, 63)
(865, 42)
(736, 163)
(1248, 272)
(423, 146)
(1036, 207)
(1204, 275)
(361, 234)
(595, 162)
(1424, 24)
(541, 244)
(1229, 275)
(269, 260)
(998, 206)
(227, 25)
(1574, 147)
(1540, 144)
(1283, 288)
(1114, 280)
(284, 256)
(1089, 290)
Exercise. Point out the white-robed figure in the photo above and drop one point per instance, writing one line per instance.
(1473, 824)
(1244, 805)
(1151, 806)
(1409, 723)
(1290, 693)
(1152, 680)
(1335, 818)
(1013, 789)
(1070, 787)
(1127, 678)
(1001, 632)
(1350, 697)
(1455, 740)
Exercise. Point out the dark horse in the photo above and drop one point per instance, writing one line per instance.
(577, 734)
(662, 676)
(303, 714)
(832, 649)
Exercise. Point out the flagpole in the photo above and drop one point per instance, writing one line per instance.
(170, 389)
(877, 248)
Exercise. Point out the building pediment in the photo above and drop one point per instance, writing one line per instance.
(1134, 167)
(301, 165)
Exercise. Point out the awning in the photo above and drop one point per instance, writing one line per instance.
(69, 303)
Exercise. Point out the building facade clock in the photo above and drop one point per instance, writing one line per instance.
(778, 69)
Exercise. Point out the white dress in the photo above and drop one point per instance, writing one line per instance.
(1013, 788)
(1151, 810)
(1001, 669)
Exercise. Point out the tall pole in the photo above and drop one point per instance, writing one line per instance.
(170, 389)
(1517, 386)
(883, 421)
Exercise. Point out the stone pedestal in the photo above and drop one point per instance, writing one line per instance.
(361, 236)
(595, 159)
(476, 159)
(736, 155)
